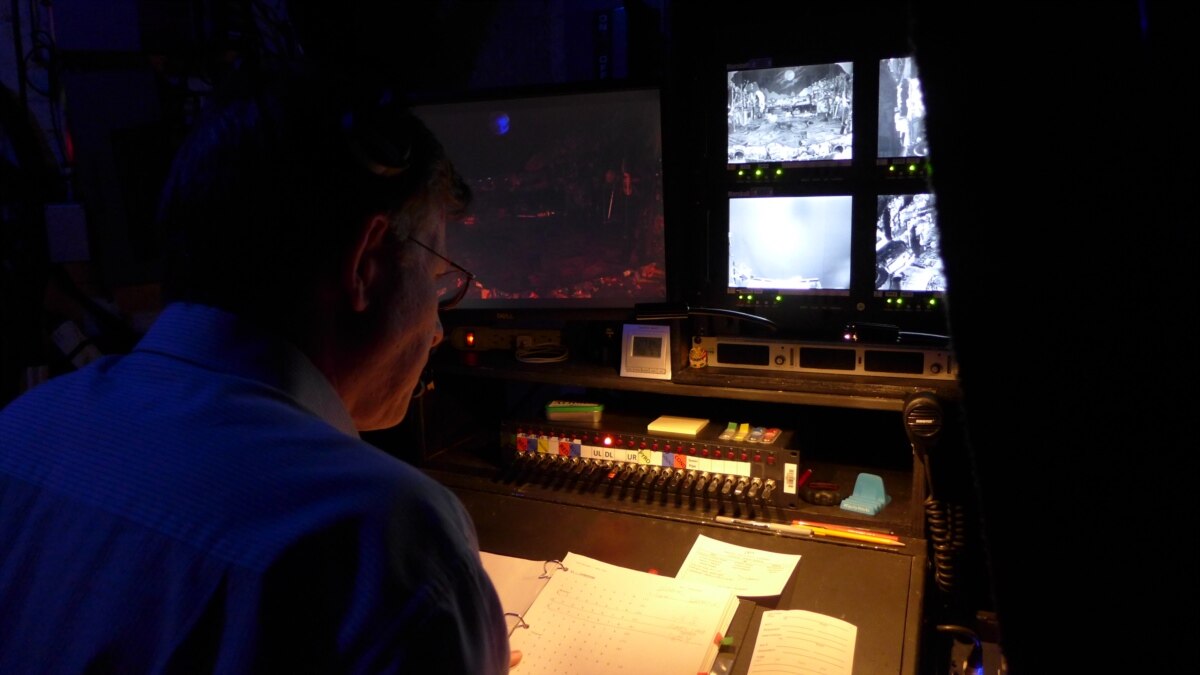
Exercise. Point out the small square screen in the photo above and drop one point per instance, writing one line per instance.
(790, 244)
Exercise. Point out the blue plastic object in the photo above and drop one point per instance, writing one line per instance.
(869, 496)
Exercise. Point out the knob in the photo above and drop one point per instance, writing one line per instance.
(768, 488)
(755, 486)
(740, 488)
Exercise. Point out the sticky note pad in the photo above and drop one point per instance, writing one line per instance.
(687, 426)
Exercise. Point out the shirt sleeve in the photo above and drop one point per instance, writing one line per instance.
(397, 590)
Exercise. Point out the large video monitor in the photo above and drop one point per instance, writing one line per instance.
(568, 198)
(791, 115)
(790, 245)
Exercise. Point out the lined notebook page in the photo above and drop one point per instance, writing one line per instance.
(799, 642)
(593, 618)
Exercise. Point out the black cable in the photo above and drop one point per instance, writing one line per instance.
(944, 524)
(660, 311)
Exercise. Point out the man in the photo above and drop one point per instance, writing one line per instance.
(204, 503)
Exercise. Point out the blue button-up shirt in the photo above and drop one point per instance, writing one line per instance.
(204, 504)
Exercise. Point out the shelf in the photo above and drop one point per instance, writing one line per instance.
(843, 391)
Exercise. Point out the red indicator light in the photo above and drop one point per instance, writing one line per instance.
(469, 338)
(608, 440)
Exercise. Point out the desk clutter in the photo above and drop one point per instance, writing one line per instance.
(582, 615)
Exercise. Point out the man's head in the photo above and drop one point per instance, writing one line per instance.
(295, 202)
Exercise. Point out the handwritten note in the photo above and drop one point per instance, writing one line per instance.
(748, 572)
(799, 642)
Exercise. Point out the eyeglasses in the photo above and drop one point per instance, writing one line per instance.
(452, 285)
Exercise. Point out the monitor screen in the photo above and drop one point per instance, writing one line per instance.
(901, 110)
(791, 114)
(790, 244)
(567, 209)
(907, 246)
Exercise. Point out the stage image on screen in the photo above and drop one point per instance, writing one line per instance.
(791, 114)
(790, 244)
(901, 110)
(567, 206)
(907, 246)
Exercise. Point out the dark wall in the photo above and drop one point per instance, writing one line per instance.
(1067, 308)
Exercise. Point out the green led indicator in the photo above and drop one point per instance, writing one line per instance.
(892, 168)
(778, 172)
(889, 301)
(912, 168)
(778, 298)
(899, 301)
(933, 302)
(758, 172)
(741, 172)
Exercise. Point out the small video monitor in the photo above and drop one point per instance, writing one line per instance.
(901, 131)
(790, 244)
(791, 115)
(907, 244)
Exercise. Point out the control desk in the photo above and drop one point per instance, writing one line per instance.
(614, 491)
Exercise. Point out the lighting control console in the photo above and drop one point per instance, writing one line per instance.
(623, 460)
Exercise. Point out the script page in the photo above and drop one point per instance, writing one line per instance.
(593, 618)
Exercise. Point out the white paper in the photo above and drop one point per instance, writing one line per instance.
(518, 582)
(747, 572)
(594, 618)
(799, 642)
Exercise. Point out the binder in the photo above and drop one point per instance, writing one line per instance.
(583, 616)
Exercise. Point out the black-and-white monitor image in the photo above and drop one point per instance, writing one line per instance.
(790, 244)
(907, 245)
(901, 110)
(567, 206)
(791, 114)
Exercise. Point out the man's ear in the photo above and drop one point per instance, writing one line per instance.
(368, 264)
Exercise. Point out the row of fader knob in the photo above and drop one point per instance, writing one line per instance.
(636, 475)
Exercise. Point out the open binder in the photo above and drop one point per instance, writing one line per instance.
(580, 616)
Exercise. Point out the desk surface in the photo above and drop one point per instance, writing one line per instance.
(879, 591)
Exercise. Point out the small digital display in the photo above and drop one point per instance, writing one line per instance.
(790, 244)
(649, 347)
(791, 114)
(907, 244)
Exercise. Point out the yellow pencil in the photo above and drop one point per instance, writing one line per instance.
(823, 532)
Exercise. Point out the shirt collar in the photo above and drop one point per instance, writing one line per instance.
(218, 340)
